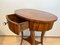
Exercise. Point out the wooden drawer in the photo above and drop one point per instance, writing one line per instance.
(16, 24)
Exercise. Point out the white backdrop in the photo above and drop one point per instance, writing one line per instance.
(9, 6)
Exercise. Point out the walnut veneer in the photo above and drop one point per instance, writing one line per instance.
(38, 21)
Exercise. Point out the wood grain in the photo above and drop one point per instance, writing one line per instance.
(36, 15)
(16, 24)
(38, 21)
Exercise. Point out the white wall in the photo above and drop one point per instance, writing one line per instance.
(9, 6)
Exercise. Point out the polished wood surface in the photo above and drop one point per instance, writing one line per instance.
(16, 24)
(38, 21)
(38, 26)
(36, 15)
(41, 21)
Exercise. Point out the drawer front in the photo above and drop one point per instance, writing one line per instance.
(24, 25)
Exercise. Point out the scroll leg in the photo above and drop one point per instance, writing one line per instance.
(42, 36)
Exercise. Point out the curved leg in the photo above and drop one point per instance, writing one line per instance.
(31, 38)
(21, 37)
(42, 36)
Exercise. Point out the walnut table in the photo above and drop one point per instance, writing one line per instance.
(38, 21)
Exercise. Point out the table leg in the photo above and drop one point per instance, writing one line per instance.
(21, 38)
(42, 36)
(31, 38)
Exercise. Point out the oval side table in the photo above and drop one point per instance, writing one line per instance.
(38, 21)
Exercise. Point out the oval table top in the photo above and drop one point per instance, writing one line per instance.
(36, 15)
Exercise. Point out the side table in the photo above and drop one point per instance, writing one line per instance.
(38, 21)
